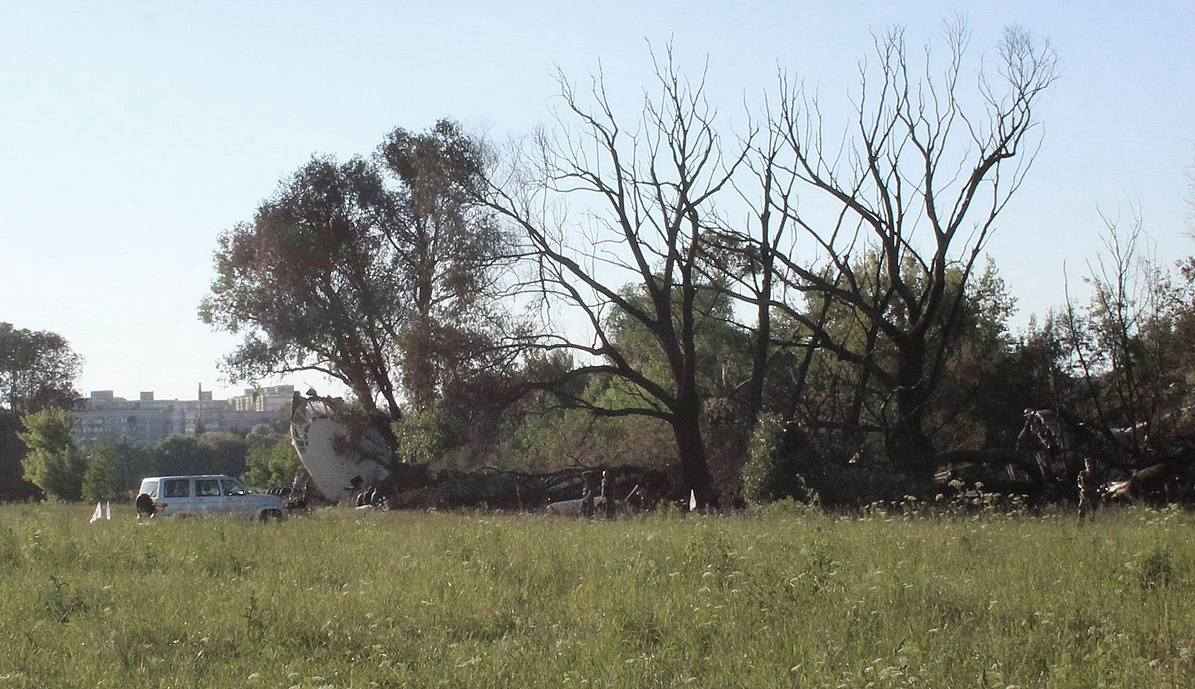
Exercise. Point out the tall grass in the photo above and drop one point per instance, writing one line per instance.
(348, 599)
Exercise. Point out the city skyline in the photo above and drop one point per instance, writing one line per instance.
(146, 419)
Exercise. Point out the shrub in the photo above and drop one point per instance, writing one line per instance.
(777, 457)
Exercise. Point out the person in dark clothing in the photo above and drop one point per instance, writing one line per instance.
(590, 478)
(608, 494)
(145, 506)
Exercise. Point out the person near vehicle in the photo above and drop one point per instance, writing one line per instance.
(145, 506)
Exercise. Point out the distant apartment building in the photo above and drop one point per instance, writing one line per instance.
(273, 398)
(145, 421)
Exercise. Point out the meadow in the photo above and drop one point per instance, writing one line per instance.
(787, 598)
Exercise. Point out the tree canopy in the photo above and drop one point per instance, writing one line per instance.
(38, 369)
(376, 272)
(53, 462)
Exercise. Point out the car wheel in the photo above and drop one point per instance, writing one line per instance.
(271, 516)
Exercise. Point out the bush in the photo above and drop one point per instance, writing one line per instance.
(776, 457)
(101, 480)
(53, 462)
(1155, 568)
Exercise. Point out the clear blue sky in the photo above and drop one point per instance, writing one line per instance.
(132, 134)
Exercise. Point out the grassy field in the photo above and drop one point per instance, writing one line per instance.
(345, 599)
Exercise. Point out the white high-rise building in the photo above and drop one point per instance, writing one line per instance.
(146, 420)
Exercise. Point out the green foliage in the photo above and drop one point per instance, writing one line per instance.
(489, 601)
(53, 462)
(101, 480)
(971, 380)
(132, 464)
(210, 453)
(1155, 567)
(763, 473)
(13, 485)
(421, 436)
(37, 370)
(271, 459)
(723, 352)
(554, 439)
(775, 457)
(379, 272)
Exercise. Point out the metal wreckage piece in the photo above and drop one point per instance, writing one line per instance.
(338, 455)
(1050, 456)
(347, 461)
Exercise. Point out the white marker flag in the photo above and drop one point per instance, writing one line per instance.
(692, 501)
(98, 514)
(108, 511)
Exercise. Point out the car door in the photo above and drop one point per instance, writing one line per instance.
(236, 498)
(175, 497)
(209, 497)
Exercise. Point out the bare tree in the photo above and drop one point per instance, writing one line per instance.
(1123, 343)
(648, 197)
(913, 192)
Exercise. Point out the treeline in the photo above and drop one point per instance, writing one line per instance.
(39, 458)
(783, 307)
(653, 289)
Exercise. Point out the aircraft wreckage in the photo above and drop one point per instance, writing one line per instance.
(1051, 451)
(347, 460)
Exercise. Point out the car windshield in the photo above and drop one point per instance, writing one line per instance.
(233, 487)
(150, 488)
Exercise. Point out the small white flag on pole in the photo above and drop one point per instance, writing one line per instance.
(98, 514)
(108, 511)
(692, 501)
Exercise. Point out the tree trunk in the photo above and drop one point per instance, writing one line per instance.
(763, 341)
(907, 444)
(686, 427)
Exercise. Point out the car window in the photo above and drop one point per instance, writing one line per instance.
(176, 488)
(233, 487)
(207, 488)
(150, 488)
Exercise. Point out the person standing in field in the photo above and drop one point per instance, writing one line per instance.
(587, 508)
(1087, 486)
(608, 494)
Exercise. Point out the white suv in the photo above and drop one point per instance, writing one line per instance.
(209, 495)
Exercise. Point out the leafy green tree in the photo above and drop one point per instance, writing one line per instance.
(421, 436)
(451, 255)
(101, 480)
(13, 485)
(53, 462)
(133, 463)
(311, 285)
(722, 351)
(973, 396)
(554, 439)
(777, 457)
(210, 453)
(271, 459)
(37, 370)
(378, 273)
